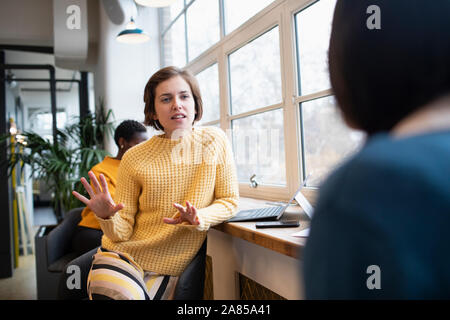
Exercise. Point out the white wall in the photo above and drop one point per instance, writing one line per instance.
(123, 69)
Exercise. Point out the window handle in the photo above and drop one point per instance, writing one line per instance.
(253, 182)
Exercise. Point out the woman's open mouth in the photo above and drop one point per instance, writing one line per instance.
(178, 117)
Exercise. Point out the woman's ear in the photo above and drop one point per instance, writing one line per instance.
(121, 143)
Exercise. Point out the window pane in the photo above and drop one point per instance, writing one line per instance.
(258, 145)
(203, 26)
(255, 77)
(313, 36)
(238, 11)
(41, 121)
(174, 43)
(176, 7)
(168, 14)
(208, 81)
(327, 140)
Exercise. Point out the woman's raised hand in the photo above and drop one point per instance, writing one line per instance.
(101, 202)
(188, 214)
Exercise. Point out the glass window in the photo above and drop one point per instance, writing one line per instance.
(313, 29)
(238, 11)
(42, 121)
(171, 12)
(175, 8)
(255, 76)
(174, 43)
(45, 121)
(203, 26)
(258, 145)
(208, 80)
(327, 140)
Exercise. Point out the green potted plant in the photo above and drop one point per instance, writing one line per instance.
(61, 163)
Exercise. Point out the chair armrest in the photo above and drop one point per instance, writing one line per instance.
(44, 230)
(59, 240)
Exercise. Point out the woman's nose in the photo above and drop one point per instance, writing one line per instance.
(176, 104)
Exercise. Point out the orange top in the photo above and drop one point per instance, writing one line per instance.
(108, 167)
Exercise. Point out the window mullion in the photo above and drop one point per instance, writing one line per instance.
(313, 96)
(292, 146)
(224, 89)
(161, 39)
(186, 31)
(256, 111)
(222, 18)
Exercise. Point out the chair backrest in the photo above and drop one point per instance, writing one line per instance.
(59, 239)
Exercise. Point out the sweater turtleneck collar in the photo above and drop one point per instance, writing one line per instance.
(177, 137)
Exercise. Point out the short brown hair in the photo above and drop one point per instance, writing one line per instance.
(161, 76)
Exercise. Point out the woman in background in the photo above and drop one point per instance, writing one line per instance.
(380, 228)
(127, 134)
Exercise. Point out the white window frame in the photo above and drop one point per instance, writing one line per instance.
(280, 13)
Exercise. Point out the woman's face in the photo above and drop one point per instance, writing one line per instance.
(174, 105)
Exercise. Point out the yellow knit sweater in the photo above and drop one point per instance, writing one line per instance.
(198, 168)
(108, 167)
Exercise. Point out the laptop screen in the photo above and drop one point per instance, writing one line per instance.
(294, 197)
(304, 204)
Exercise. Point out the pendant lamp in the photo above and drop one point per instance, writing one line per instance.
(155, 3)
(132, 34)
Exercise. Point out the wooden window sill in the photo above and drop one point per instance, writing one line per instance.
(276, 239)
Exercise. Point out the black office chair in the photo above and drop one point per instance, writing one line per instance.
(53, 252)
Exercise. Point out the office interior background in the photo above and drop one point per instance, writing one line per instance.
(262, 70)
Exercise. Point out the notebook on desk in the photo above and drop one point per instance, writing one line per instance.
(267, 213)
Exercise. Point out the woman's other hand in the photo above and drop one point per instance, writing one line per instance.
(188, 214)
(101, 202)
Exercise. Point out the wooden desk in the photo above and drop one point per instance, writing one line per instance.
(270, 256)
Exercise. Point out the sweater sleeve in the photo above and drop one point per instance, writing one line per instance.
(120, 226)
(226, 192)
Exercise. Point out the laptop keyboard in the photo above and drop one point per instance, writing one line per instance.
(256, 214)
(266, 212)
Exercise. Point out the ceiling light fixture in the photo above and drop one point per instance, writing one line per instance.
(132, 34)
(11, 79)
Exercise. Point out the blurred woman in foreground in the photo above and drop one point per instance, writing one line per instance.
(381, 223)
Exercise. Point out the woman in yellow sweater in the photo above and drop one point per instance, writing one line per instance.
(127, 134)
(170, 191)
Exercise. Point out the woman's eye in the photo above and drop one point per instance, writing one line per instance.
(165, 100)
(185, 96)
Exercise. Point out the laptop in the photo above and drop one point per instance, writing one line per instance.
(264, 214)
